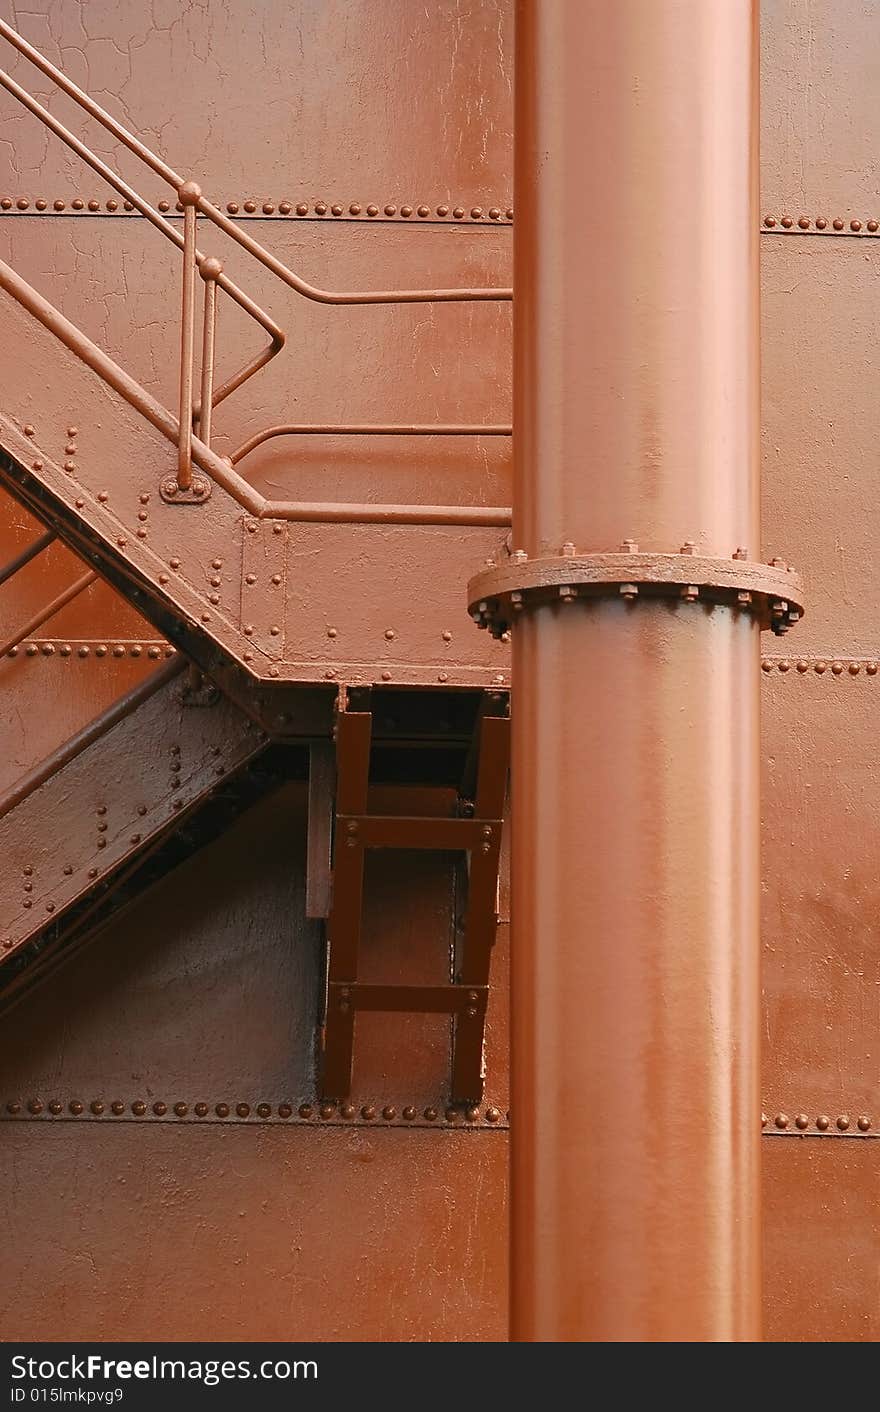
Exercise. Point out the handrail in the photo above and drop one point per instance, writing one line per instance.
(96, 728)
(363, 429)
(220, 470)
(194, 203)
(33, 549)
(48, 611)
(206, 208)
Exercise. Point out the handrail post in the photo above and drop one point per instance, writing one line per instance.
(210, 271)
(189, 196)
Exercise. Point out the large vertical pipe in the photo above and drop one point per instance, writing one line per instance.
(635, 1200)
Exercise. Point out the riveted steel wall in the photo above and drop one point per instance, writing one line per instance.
(161, 1121)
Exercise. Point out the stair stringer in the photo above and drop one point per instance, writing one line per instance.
(112, 801)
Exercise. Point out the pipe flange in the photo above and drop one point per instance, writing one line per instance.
(770, 593)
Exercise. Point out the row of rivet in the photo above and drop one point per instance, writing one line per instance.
(837, 666)
(802, 1122)
(306, 1112)
(302, 209)
(836, 226)
(51, 647)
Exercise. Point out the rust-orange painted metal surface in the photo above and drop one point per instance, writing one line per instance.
(174, 1170)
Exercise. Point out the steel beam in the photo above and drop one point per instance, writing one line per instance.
(635, 1212)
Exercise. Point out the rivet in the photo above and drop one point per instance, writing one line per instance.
(77, 203)
(302, 209)
(135, 838)
(336, 209)
(222, 1110)
(871, 669)
(784, 665)
(837, 668)
(770, 222)
(837, 223)
(863, 1122)
(843, 1122)
(386, 676)
(96, 1107)
(320, 208)
(232, 207)
(443, 676)
(250, 207)
(306, 1110)
(854, 668)
(93, 873)
(872, 226)
(821, 223)
(29, 430)
(164, 205)
(820, 667)
(117, 1107)
(423, 211)
(389, 1112)
(477, 213)
(56, 1107)
(855, 225)
(75, 1107)
(160, 1109)
(5, 204)
(327, 1110)
(372, 210)
(494, 213)
(787, 222)
(163, 578)
(274, 631)
(94, 205)
(354, 209)
(284, 1110)
(781, 1120)
(65, 649)
(406, 212)
(451, 1114)
(801, 1121)
(409, 1113)
(473, 1115)
(804, 222)
(268, 208)
(174, 563)
(201, 1110)
(430, 1114)
(458, 213)
(264, 1110)
(35, 1106)
(22, 203)
(36, 465)
(823, 1122)
(276, 579)
(12, 1107)
(181, 1109)
(390, 210)
(347, 1110)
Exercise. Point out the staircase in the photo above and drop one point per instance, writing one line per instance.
(281, 610)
